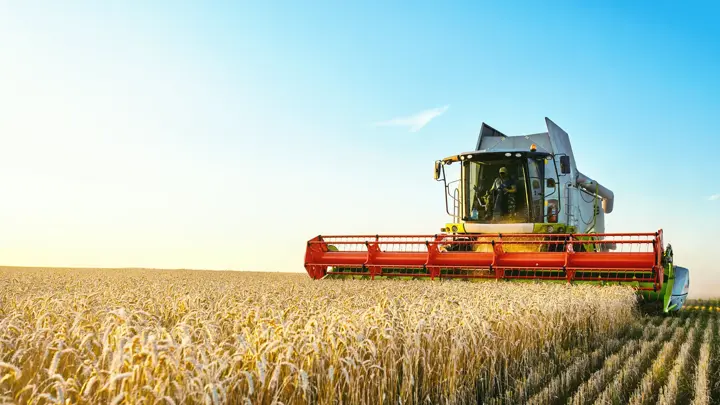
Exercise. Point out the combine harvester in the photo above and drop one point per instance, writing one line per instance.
(543, 220)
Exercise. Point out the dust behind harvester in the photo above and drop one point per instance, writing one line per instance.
(521, 211)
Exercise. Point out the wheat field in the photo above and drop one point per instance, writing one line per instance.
(86, 336)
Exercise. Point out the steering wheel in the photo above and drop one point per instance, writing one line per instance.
(479, 196)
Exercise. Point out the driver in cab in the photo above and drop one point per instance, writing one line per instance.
(502, 193)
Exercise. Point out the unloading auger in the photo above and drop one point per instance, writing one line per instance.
(523, 212)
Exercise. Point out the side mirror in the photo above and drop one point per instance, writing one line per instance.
(550, 183)
(565, 164)
(437, 169)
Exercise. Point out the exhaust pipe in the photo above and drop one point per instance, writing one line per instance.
(592, 186)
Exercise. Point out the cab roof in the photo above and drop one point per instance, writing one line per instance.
(481, 155)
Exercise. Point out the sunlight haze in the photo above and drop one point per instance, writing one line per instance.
(225, 135)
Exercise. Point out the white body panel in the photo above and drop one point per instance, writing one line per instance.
(584, 211)
(498, 228)
(578, 208)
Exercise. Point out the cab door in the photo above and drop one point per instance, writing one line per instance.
(536, 188)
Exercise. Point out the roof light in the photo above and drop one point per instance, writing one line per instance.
(533, 147)
(469, 156)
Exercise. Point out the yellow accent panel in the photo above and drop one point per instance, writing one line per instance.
(460, 228)
(537, 228)
(542, 228)
(455, 158)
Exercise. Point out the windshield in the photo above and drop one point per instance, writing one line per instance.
(497, 191)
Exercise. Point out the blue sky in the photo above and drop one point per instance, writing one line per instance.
(224, 135)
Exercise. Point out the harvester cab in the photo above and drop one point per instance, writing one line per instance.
(521, 211)
(542, 191)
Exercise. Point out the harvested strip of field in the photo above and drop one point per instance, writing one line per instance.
(657, 373)
(715, 362)
(702, 392)
(578, 378)
(602, 380)
(92, 336)
(565, 381)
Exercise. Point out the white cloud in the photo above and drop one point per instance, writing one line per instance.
(714, 197)
(417, 121)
